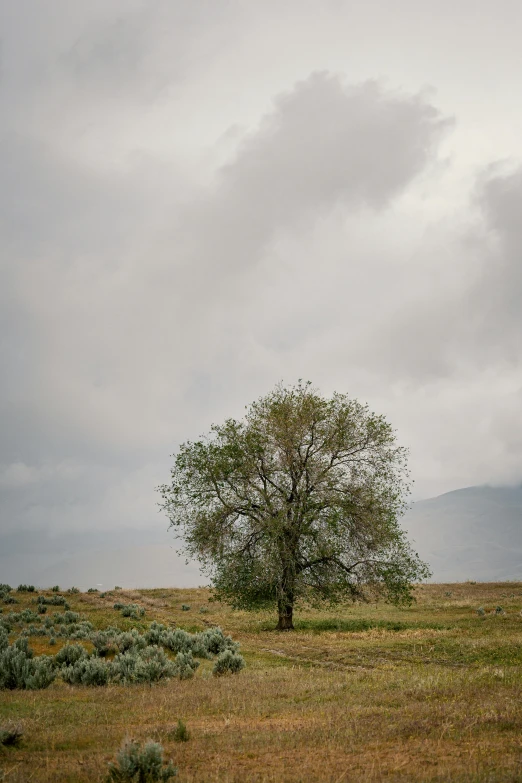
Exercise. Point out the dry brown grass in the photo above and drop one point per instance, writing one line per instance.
(428, 693)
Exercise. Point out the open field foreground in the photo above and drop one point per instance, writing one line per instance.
(362, 693)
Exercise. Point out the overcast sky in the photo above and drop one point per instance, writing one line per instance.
(200, 199)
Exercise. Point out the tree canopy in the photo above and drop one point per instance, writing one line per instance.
(300, 499)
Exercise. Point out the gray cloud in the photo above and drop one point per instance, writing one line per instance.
(178, 233)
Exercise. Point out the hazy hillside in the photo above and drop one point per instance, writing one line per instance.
(126, 557)
(473, 533)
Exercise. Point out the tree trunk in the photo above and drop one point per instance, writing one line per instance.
(286, 612)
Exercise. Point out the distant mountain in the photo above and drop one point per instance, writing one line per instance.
(473, 533)
(125, 557)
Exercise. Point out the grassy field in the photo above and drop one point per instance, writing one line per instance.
(362, 693)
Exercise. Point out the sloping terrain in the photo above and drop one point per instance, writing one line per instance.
(429, 693)
(473, 533)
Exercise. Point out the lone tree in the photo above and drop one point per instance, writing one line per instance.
(301, 499)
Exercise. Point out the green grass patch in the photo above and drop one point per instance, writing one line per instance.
(357, 625)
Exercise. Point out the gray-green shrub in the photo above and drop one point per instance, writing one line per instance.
(130, 640)
(87, 671)
(185, 665)
(133, 610)
(19, 670)
(27, 616)
(70, 654)
(228, 662)
(151, 665)
(141, 765)
(54, 600)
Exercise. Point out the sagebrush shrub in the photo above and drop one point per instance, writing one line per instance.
(55, 589)
(5, 588)
(132, 610)
(27, 616)
(185, 665)
(129, 640)
(9, 599)
(154, 633)
(42, 673)
(148, 665)
(228, 662)
(54, 600)
(216, 642)
(185, 608)
(70, 654)
(87, 671)
(177, 640)
(19, 670)
(141, 765)
(104, 642)
(73, 590)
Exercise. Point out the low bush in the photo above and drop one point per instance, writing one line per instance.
(70, 654)
(55, 589)
(93, 590)
(87, 671)
(151, 665)
(185, 608)
(73, 590)
(19, 670)
(142, 765)
(228, 662)
(180, 733)
(130, 640)
(10, 735)
(185, 665)
(177, 640)
(28, 616)
(215, 641)
(9, 599)
(54, 600)
(133, 610)
(26, 589)
(5, 588)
